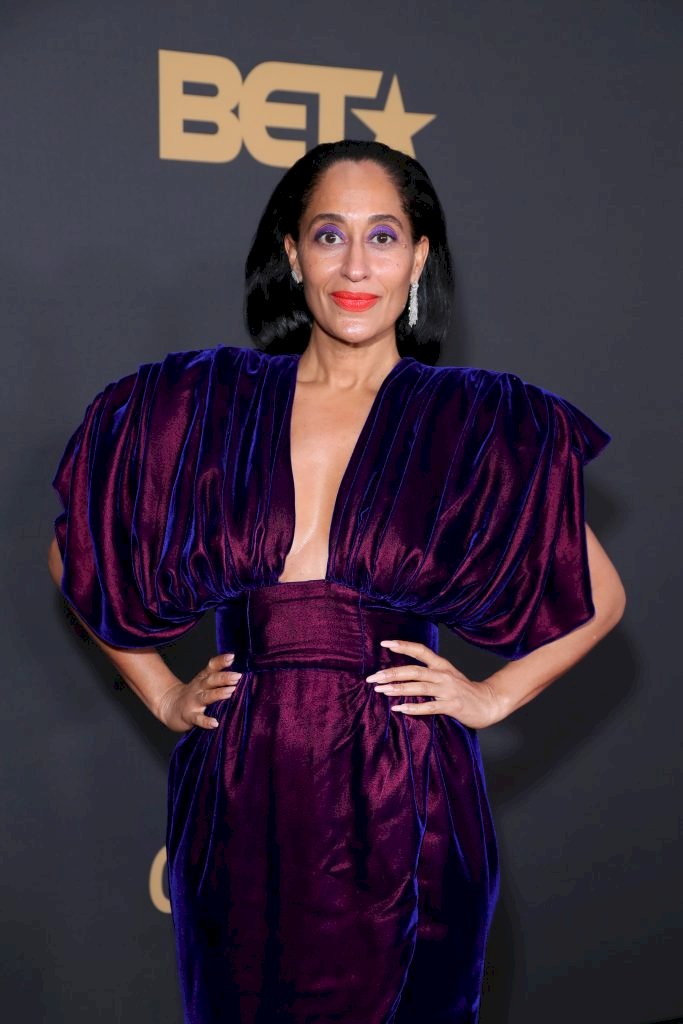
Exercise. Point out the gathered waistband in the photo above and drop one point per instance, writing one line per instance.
(316, 623)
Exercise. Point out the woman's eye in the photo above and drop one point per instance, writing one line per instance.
(383, 237)
(328, 237)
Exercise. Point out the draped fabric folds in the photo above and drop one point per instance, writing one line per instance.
(328, 860)
(462, 502)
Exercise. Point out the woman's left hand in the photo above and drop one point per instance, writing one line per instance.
(476, 705)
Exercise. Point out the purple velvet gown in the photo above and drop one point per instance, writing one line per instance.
(329, 859)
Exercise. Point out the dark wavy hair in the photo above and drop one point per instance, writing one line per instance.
(275, 310)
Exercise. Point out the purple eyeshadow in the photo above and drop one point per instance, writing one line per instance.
(384, 230)
(327, 229)
(334, 229)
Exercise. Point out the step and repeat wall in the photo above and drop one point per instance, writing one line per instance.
(140, 143)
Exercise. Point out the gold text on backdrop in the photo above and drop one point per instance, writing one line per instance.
(240, 111)
(158, 882)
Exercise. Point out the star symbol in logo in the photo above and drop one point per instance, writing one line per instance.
(394, 126)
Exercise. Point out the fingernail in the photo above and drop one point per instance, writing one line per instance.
(388, 643)
(375, 677)
(230, 657)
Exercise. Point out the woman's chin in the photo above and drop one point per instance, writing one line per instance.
(357, 328)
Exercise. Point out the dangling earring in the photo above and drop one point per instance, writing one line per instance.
(412, 305)
(296, 277)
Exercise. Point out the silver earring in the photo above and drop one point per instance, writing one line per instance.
(412, 305)
(296, 277)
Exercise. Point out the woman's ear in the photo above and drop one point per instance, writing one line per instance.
(291, 249)
(421, 254)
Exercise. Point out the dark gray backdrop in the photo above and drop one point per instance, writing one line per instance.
(556, 153)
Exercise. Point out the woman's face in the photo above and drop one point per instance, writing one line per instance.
(355, 253)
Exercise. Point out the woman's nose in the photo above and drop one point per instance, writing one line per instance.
(355, 262)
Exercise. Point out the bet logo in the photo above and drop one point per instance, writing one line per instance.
(207, 111)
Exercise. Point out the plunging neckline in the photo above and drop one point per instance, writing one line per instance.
(351, 465)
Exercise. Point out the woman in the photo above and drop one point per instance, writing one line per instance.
(333, 496)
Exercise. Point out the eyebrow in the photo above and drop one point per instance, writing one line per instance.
(376, 218)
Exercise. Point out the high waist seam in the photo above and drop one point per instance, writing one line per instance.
(283, 665)
(361, 620)
(287, 584)
(319, 624)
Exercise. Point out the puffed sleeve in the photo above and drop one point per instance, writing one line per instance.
(111, 532)
(525, 579)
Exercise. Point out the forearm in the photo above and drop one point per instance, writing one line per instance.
(520, 681)
(144, 671)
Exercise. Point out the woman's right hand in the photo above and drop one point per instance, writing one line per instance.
(183, 705)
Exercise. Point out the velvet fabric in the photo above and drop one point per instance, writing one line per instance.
(329, 859)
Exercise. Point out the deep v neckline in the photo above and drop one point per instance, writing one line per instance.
(347, 476)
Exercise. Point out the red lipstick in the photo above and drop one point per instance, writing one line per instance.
(355, 302)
